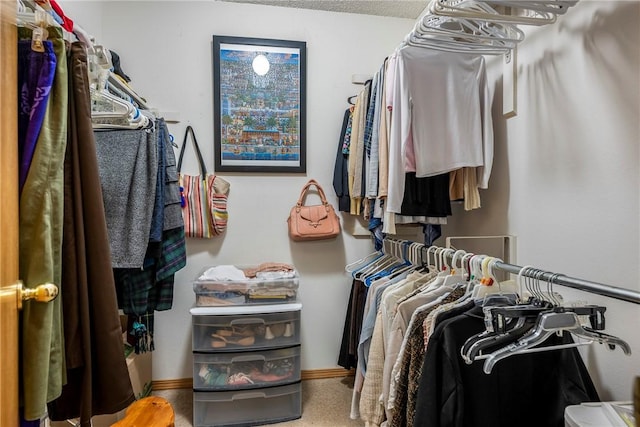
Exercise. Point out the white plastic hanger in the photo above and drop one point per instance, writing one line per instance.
(483, 286)
(374, 266)
(413, 257)
(406, 266)
(476, 30)
(390, 258)
(35, 19)
(107, 110)
(456, 274)
(482, 10)
(474, 273)
(351, 267)
(558, 7)
(441, 267)
(110, 112)
(34, 16)
(450, 34)
(415, 249)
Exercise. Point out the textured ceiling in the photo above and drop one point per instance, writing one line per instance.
(398, 8)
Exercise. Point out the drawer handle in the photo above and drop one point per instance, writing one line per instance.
(248, 358)
(247, 321)
(253, 395)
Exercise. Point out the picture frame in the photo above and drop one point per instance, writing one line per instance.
(259, 98)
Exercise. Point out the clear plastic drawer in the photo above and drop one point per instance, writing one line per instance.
(242, 332)
(247, 407)
(232, 371)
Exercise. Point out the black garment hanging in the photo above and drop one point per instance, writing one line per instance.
(527, 390)
(115, 60)
(341, 170)
(427, 196)
(348, 356)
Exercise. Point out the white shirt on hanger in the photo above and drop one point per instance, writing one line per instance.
(442, 106)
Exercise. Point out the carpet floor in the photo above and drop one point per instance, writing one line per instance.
(325, 403)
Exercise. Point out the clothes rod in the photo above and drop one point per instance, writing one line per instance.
(576, 283)
(563, 280)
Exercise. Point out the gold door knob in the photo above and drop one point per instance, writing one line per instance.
(41, 293)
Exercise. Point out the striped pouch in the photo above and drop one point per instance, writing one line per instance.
(218, 191)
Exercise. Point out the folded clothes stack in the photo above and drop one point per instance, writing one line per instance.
(269, 282)
(270, 269)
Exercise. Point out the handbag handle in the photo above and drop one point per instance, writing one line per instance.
(308, 185)
(189, 130)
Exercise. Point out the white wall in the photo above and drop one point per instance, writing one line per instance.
(165, 47)
(566, 170)
(566, 177)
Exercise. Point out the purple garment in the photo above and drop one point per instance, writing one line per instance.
(25, 423)
(36, 71)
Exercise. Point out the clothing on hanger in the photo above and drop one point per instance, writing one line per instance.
(95, 362)
(407, 334)
(444, 99)
(341, 167)
(36, 71)
(41, 223)
(551, 380)
(117, 67)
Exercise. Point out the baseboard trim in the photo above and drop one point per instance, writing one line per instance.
(319, 374)
(172, 384)
(311, 374)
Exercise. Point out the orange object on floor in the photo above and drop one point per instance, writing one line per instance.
(150, 411)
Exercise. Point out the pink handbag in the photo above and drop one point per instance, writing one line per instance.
(315, 222)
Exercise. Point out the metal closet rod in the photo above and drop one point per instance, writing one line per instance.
(576, 283)
(560, 279)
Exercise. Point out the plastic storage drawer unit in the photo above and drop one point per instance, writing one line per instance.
(232, 371)
(233, 329)
(247, 407)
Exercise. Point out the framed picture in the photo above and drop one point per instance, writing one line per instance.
(259, 88)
